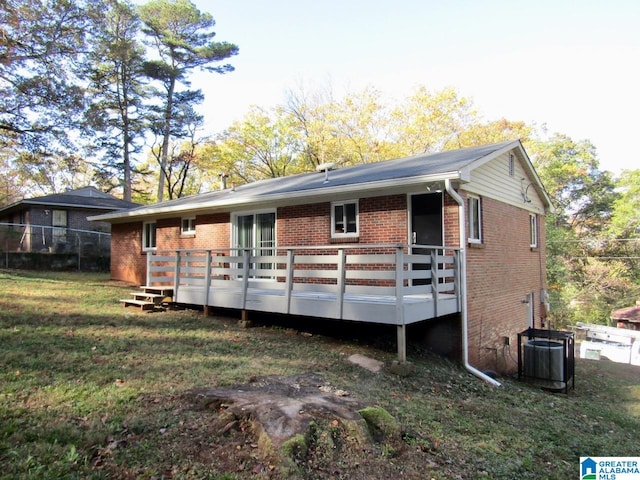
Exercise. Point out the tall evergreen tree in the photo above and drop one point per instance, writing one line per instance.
(182, 38)
(117, 86)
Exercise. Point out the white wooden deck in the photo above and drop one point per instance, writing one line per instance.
(385, 284)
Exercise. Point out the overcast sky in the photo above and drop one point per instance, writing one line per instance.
(572, 65)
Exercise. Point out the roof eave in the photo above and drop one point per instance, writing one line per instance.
(229, 203)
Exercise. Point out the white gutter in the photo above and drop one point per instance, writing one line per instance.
(463, 288)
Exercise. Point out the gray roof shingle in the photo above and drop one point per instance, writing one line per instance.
(447, 164)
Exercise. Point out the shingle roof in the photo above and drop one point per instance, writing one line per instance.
(630, 314)
(419, 168)
(85, 198)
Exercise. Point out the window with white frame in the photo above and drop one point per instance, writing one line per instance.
(474, 208)
(344, 219)
(256, 232)
(188, 226)
(533, 230)
(149, 236)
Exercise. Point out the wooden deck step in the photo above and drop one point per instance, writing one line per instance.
(148, 296)
(143, 304)
(159, 289)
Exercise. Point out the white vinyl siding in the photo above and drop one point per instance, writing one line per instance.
(493, 180)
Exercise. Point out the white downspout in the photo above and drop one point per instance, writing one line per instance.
(463, 288)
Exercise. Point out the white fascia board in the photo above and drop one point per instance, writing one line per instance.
(466, 172)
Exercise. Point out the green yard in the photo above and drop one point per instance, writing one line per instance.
(89, 389)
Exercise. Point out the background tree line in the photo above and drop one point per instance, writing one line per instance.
(85, 84)
(95, 92)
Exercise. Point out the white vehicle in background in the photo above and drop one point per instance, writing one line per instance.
(619, 345)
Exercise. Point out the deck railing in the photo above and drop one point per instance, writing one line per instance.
(342, 272)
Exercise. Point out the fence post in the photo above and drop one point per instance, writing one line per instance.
(79, 251)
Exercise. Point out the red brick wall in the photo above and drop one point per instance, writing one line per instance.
(500, 274)
(213, 231)
(451, 222)
(381, 220)
(127, 260)
(303, 225)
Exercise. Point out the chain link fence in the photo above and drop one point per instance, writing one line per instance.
(53, 248)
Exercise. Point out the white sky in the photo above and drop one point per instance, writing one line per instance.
(572, 65)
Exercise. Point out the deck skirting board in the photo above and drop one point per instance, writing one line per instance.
(356, 307)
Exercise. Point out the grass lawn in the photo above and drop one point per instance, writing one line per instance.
(89, 389)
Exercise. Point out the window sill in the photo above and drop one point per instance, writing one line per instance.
(187, 235)
(534, 249)
(344, 240)
(479, 246)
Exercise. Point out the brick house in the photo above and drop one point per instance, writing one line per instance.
(454, 241)
(44, 223)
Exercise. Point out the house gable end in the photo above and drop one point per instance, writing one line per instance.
(508, 177)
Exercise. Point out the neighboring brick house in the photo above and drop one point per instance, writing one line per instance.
(485, 204)
(44, 223)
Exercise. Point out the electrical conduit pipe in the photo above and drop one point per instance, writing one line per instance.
(463, 288)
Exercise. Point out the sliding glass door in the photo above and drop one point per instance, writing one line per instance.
(257, 233)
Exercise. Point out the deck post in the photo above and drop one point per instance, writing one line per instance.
(434, 280)
(402, 344)
(207, 281)
(176, 276)
(148, 281)
(342, 259)
(456, 278)
(246, 256)
(289, 280)
(402, 337)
